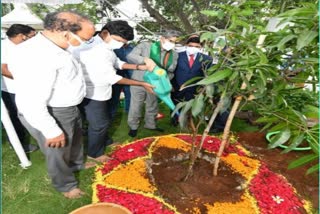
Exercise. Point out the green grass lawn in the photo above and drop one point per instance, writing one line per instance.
(29, 191)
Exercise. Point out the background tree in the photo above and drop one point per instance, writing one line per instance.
(250, 71)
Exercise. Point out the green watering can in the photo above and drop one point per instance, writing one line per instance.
(159, 78)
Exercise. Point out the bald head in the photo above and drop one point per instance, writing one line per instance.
(65, 21)
(67, 28)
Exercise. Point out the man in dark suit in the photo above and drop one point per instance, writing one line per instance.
(192, 63)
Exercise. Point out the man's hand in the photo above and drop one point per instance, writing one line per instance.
(149, 63)
(148, 87)
(56, 142)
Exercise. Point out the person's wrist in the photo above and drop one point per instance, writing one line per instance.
(137, 67)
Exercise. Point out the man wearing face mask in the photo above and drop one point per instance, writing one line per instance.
(99, 67)
(192, 63)
(162, 53)
(48, 94)
(17, 33)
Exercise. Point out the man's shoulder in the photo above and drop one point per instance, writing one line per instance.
(144, 44)
(182, 53)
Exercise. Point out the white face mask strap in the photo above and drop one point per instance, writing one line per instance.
(77, 38)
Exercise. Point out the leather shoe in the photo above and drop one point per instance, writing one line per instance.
(215, 131)
(156, 129)
(133, 132)
(30, 148)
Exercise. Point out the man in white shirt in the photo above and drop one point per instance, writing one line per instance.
(99, 66)
(48, 94)
(17, 33)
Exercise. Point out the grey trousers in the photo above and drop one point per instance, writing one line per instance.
(62, 162)
(138, 96)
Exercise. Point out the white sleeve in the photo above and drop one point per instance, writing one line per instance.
(34, 81)
(4, 52)
(119, 63)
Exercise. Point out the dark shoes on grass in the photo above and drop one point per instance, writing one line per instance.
(156, 129)
(133, 132)
(30, 148)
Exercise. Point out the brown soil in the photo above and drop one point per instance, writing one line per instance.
(306, 185)
(202, 187)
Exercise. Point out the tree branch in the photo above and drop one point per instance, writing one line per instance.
(157, 16)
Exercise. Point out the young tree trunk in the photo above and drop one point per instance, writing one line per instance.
(226, 133)
(195, 152)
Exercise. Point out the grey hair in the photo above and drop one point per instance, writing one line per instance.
(170, 33)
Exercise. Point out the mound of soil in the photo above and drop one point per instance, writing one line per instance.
(199, 188)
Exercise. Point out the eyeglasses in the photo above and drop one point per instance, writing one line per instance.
(29, 36)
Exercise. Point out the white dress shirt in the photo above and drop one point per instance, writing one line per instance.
(99, 65)
(45, 75)
(7, 47)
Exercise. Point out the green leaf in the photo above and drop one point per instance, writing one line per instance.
(295, 142)
(188, 82)
(215, 77)
(311, 111)
(313, 140)
(303, 12)
(306, 38)
(246, 12)
(302, 161)
(285, 40)
(313, 169)
(210, 90)
(310, 60)
(221, 14)
(177, 108)
(183, 117)
(266, 126)
(267, 119)
(210, 12)
(197, 105)
(253, 3)
(280, 138)
(208, 36)
(234, 75)
(263, 78)
(279, 126)
(241, 23)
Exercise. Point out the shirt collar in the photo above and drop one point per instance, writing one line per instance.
(49, 43)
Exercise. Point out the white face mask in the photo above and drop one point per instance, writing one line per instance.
(168, 45)
(192, 50)
(114, 44)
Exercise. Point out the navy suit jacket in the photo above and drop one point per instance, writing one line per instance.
(183, 73)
